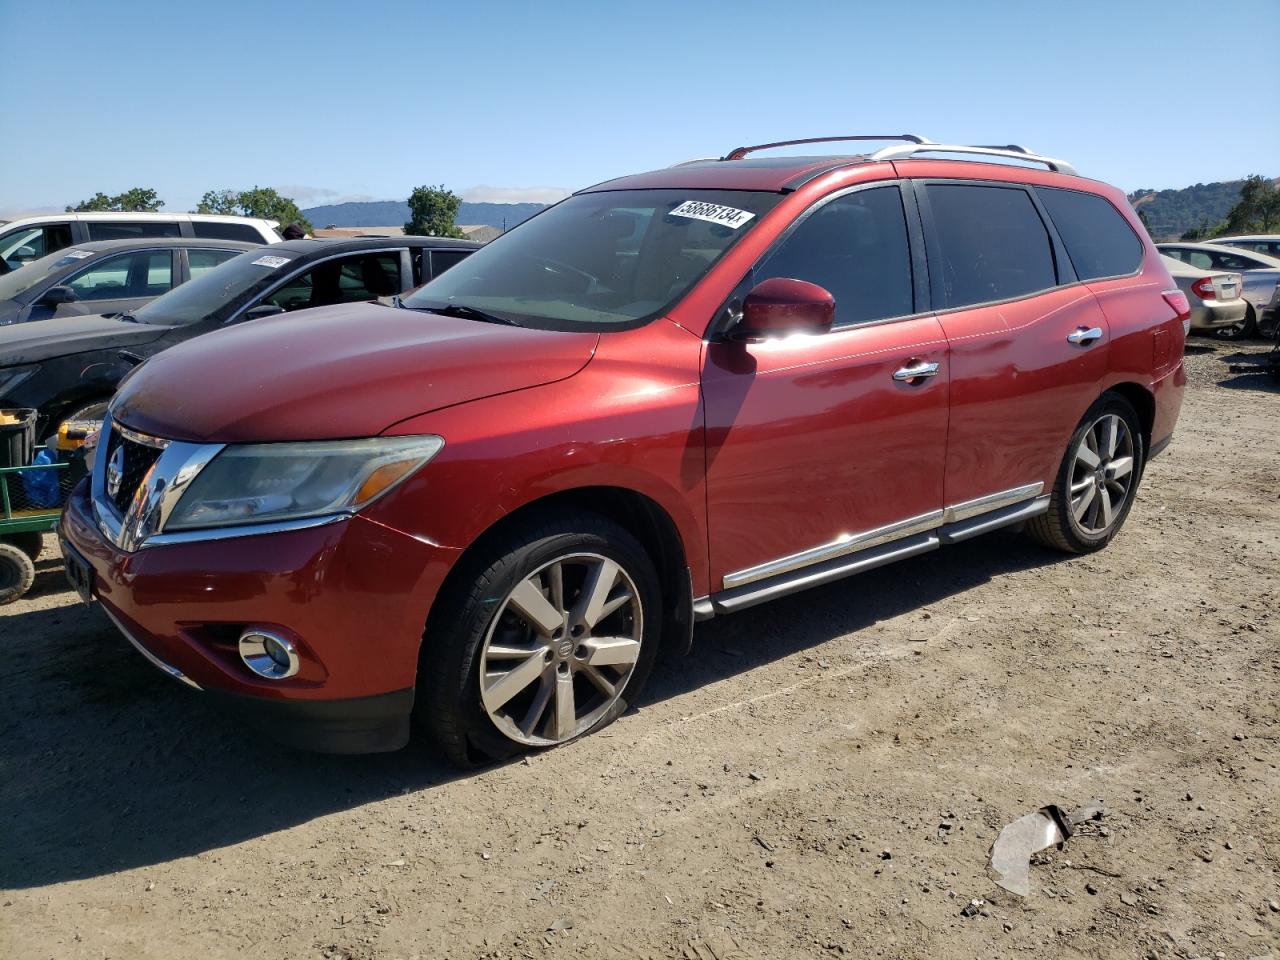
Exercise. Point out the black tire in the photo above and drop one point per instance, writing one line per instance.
(1240, 331)
(30, 543)
(91, 410)
(1059, 526)
(448, 702)
(17, 573)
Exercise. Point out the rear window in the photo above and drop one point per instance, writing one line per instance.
(989, 244)
(226, 231)
(1099, 240)
(105, 230)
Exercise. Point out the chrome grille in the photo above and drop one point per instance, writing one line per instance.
(133, 458)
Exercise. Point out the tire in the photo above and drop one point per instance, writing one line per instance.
(93, 410)
(17, 573)
(1084, 526)
(1243, 330)
(31, 543)
(481, 624)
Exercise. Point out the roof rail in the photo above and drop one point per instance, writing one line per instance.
(737, 153)
(1011, 151)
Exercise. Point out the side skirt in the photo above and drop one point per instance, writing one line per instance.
(740, 598)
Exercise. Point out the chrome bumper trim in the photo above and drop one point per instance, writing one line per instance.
(151, 657)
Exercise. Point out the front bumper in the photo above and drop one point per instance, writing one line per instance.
(353, 596)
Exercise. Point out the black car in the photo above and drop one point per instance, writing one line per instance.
(67, 369)
(108, 276)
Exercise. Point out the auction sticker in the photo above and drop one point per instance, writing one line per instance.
(730, 217)
(77, 254)
(272, 262)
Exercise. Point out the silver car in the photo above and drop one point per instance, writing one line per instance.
(1261, 275)
(1264, 243)
(1214, 295)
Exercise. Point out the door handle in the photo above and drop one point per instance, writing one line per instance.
(917, 370)
(1084, 335)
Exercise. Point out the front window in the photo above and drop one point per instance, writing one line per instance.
(599, 260)
(25, 244)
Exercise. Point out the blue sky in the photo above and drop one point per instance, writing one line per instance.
(498, 100)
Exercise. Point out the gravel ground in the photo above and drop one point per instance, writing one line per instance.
(824, 776)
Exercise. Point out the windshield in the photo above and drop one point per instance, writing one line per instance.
(219, 292)
(599, 260)
(26, 277)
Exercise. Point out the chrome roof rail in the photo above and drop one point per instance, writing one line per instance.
(1010, 151)
(737, 153)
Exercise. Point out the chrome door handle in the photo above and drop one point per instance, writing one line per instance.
(1085, 335)
(916, 370)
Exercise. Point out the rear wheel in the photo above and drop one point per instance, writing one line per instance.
(1097, 480)
(550, 636)
(1239, 331)
(17, 573)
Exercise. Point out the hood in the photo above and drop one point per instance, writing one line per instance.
(61, 336)
(336, 372)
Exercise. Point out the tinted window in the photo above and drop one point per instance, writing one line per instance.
(442, 260)
(1231, 261)
(143, 274)
(200, 262)
(344, 280)
(856, 247)
(1099, 240)
(25, 244)
(100, 230)
(226, 231)
(989, 244)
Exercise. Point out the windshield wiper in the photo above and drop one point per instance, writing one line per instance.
(463, 312)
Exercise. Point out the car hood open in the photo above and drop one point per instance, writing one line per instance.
(61, 336)
(336, 372)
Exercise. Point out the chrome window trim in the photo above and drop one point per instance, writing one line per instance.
(857, 542)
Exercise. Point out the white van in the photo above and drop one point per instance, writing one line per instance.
(30, 238)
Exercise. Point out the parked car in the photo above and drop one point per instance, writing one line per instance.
(107, 277)
(1216, 296)
(30, 238)
(669, 397)
(1265, 243)
(1260, 273)
(68, 369)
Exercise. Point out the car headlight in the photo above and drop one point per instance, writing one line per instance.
(270, 482)
(10, 377)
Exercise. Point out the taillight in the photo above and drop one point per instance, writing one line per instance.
(1203, 288)
(1178, 300)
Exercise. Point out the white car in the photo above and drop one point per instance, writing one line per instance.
(1266, 243)
(1214, 295)
(31, 238)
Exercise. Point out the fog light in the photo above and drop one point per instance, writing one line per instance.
(268, 654)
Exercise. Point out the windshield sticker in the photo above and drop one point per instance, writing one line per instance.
(713, 213)
(272, 262)
(75, 255)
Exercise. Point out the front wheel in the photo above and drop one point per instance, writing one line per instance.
(1097, 480)
(550, 636)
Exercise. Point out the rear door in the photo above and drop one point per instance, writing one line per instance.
(817, 447)
(1028, 345)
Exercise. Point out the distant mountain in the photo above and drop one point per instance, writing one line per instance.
(393, 213)
(1171, 213)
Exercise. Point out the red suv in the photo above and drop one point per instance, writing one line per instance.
(491, 505)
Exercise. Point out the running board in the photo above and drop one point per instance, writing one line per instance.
(740, 598)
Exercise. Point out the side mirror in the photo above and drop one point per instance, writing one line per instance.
(24, 253)
(780, 306)
(56, 296)
(262, 310)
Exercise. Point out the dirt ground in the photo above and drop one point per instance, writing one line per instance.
(823, 777)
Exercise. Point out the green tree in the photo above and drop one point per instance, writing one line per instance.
(262, 202)
(432, 211)
(1258, 208)
(137, 200)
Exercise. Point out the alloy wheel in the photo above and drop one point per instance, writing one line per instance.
(559, 651)
(1102, 474)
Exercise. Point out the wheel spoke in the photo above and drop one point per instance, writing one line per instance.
(1081, 506)
(597, 678)
(1110, 435)
(1081, 486)
(1104, 499)
(533, 716)
(1087, 455)
(611, 651)
(496, 694)
(566, 718)
(595, 592)
(555, 585)
(1120, 467)
(527, 600)
(497, 651)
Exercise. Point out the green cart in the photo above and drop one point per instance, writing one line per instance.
(24, 519)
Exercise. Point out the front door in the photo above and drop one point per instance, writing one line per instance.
(818, 446)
